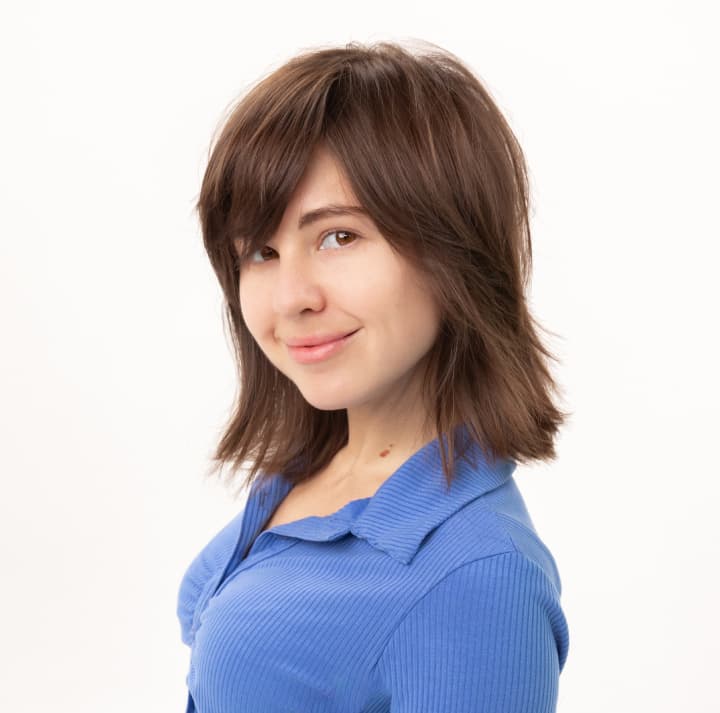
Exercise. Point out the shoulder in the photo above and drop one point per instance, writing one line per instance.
(496, 523)
(487, 548)
(487, 631)
(206, 563)
(489, 635)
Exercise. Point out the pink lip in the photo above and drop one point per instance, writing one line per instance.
(312, 354)
(312, 340)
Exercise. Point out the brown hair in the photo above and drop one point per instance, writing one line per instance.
(431, 158)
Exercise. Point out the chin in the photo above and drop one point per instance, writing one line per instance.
(326, 394)
(325, 402)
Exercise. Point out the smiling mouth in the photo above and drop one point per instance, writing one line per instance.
(315, 342)
(319, 352)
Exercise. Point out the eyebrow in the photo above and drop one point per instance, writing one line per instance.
(327, 211)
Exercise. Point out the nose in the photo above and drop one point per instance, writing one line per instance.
(297, 286)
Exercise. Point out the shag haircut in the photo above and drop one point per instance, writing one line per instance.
(431, 158)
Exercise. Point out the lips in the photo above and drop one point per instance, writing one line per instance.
(316, 340)
(321, 352)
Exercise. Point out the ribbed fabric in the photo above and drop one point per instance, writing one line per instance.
(419, 599)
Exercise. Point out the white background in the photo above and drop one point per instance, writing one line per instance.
(117, 376)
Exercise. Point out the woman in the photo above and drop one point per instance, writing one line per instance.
(365, 210)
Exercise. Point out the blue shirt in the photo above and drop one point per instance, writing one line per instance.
(418, 599)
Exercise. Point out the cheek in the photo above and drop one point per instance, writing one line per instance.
(423, 322)
(251, 307)
(415, 305)
(411, 322)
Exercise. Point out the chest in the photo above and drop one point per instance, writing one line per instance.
(300, 629)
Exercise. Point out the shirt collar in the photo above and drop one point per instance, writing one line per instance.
(409, 505)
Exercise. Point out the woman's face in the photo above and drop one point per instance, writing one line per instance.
(332, 276)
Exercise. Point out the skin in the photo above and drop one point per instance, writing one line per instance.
(311, 280)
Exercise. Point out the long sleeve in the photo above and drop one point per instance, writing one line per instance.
(490, 637)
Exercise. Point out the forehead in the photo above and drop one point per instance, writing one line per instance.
(324, 181)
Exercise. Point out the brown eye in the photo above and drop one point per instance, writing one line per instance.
(341, 232)
(263, 251)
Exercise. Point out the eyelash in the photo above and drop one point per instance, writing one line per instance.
(322, 238)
